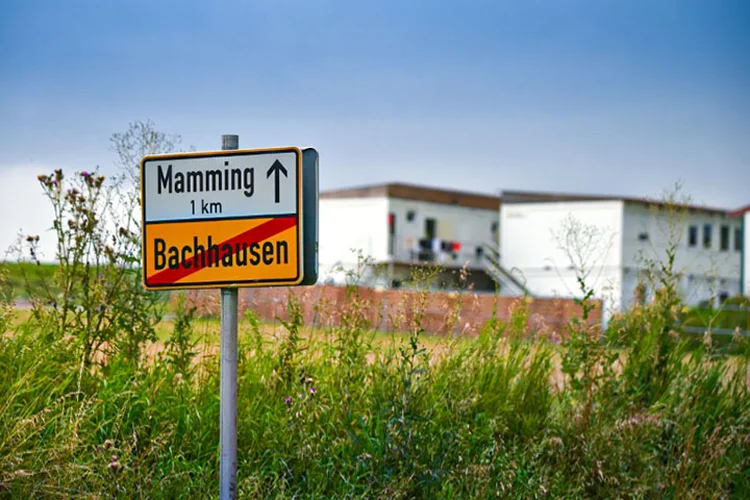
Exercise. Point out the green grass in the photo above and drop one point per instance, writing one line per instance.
(26, 280)
(734, 313)
(390, 416)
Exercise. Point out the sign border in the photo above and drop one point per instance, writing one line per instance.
(225, 284)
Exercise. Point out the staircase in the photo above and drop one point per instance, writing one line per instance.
(509, 285)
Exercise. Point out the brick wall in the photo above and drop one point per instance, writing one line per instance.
(440, 313)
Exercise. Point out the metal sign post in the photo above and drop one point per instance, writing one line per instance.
(228, 390)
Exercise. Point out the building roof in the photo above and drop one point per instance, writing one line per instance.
(417, 193)
(740, 211)
(489, 202)
(543, 197)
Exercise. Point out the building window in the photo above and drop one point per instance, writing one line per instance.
(738, 239)
(693, 236)
(707, 235)
(430, 228)
(410, 215)
(426, 244)
(724, 234)
(391, 234)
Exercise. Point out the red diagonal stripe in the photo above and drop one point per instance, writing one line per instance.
(252, 235)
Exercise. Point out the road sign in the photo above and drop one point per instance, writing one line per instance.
(229, 218)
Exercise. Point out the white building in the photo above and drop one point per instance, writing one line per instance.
(743, 215)
(401, 227)
(550, 238)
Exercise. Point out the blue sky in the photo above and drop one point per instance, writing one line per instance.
(616, 97)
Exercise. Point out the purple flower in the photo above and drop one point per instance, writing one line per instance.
(313, 390)
(85, 174)
(53, 303)
(53, 182)
(288, 400)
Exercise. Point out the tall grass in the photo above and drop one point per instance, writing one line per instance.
(332, 414)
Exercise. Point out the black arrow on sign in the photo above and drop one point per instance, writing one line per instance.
(278, 168)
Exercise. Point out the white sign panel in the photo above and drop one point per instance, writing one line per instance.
(219, 187)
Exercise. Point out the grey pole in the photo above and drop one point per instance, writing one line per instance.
(228, 394)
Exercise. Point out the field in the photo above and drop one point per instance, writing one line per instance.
(353, 413)
(110, 391)
(24, 282)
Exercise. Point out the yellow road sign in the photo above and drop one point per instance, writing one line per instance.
(218, 219)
